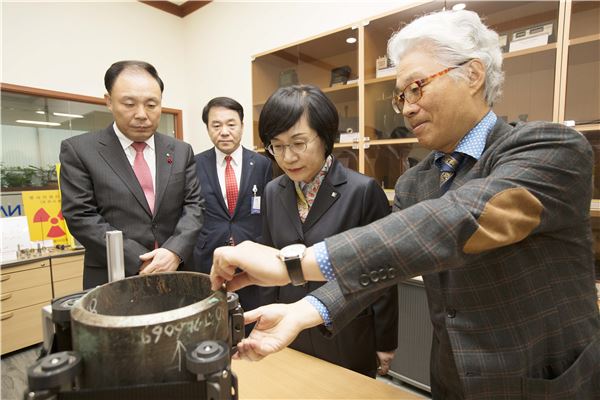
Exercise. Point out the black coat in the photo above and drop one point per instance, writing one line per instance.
(346, 199)
(101, 193)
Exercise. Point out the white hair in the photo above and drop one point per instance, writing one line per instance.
(453, 37)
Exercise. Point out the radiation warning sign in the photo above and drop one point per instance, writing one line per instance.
(45, 220)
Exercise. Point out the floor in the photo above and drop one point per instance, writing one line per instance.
(14, 372)
(14, 375)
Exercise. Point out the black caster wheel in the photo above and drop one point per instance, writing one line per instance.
(54, 371)
(61, 307)
(208, 357)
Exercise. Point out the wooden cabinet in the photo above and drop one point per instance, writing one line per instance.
(25, 290)
(67, 275)
(312, 62)
(581, 77)
(557, 79)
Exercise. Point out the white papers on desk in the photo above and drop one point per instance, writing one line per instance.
(15, 234)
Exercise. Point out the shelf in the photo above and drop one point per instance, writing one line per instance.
(327, 90)
(379, 80)
(339, 88)
(584, 39)
(393, 141)
(390, 194)
(556, 81)
(587, 127)
(595, 208)
(533, 50)
(343, 145)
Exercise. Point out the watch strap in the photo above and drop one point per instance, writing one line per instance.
(294, 268)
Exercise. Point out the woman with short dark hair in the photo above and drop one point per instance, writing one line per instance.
(316, 198)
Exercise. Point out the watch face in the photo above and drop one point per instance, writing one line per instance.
(293, 250)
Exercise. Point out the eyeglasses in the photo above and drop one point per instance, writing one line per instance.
(296, 147)
(414, 91)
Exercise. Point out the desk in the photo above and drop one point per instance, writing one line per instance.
(290, 374)
(29, 284)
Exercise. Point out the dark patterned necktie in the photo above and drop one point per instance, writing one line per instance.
(449, 163)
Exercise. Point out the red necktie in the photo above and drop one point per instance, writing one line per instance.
(231, 189)
(142, 172)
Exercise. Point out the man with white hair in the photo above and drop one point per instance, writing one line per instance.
(489, 219)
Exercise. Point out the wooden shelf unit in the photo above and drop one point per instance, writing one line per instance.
(557, 81)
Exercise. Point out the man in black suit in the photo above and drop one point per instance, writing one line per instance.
(230, 218)
(129, 177)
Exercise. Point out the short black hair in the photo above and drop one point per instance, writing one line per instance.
(225, 102)
(286, 106)
(113, 72)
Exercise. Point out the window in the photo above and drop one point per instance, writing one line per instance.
(34, 122)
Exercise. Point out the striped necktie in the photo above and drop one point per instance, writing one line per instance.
(449, 163)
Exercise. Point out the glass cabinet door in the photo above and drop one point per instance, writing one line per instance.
(528, 35)
(329, 62)
(381, 122)
(582, 105)
(347, 156)
(386, 162)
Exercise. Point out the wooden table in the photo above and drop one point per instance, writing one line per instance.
(290, 374)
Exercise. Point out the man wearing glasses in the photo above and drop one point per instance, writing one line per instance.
(489, 219)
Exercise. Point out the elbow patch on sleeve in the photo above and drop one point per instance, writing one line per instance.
(508, 217)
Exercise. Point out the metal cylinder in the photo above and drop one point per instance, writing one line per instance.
(137, 330)
(115, 260)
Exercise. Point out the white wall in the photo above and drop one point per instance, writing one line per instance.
(68, 46)
(222, 37)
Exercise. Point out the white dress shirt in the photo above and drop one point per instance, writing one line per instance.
(149, 152)
(236, 163)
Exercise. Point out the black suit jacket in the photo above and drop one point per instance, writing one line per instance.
(219, 225)
(346, 199)
(100, 193)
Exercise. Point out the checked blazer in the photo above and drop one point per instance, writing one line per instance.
(506, 257)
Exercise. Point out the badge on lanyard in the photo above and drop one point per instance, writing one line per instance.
(255, 202)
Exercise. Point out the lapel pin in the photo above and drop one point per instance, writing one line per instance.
(333, 194)
(251, 162)
(169, 158)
